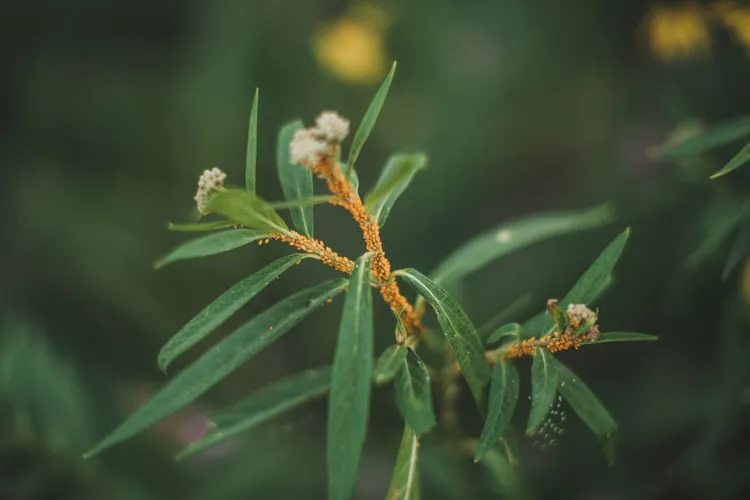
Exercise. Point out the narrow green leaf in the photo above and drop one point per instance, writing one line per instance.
(459, 331)
(262, 406)
(508, 238)
(351, 176)
(588, 287)
(222, 308)
(396, 176)
(205, 226)
(720, 225)
(405, 479)
(211, 245)
(222, 359)
(247, 209)
(349, 403)
(736, 162)
(589, 409)
(512, 330)
(251, 154)
(622, 337)
(389, 363)
(297, 182)
(368, 121)
(414, 395)
(740, 250)
(306, 202)
(506, 315)
(501, 467)
(543, 382)
(718, 135)
(503, 397)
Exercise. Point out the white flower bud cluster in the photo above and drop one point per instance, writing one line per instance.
(580, 314)
(209, 182)
(310, 145)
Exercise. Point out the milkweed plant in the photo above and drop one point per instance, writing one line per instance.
(484, 357)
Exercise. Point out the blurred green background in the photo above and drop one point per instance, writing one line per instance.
(110, 110)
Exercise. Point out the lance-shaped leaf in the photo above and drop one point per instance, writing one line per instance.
(211, 245)
(508, 238)
(589, 409)
(588, 287)
(736, 162)
(251, 151)
(262, 406)
(246, 209)
(621, 337)
(389, 363)
(543, 383)
(413, 393)
(459, 331)
(222, 308)
(720, 222)
(352, 176)
(405, 479)
(396, 176)
(200, 227)
(503, 397)
(349, 403)
(368, 121)
(296, 182)
(511, 330)
(222, 359)
(718, 135)
(305, 202)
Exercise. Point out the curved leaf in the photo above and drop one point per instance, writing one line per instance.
(736, 162)
(251, 151)
(589, 409)
(246, 209)
(718, 135)
(414, 394)
(503, 397)
(396, 176)
(368, 121)
(349, 403)
(222, 308)
(508, 238)
(622, 337)
(405, 479)
(262, 406)
(296, 182)
(199, 227)
(510, 330)
(211, 244)
(459, 331)
(305, 202)
(543, 384)
(389, 363)
(222, 359)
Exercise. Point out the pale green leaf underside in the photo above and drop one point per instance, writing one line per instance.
(543, 383)
(512, 236)
(458, 329)
(389, 363)
(349, 403)
(736, 162)
(199, 227)
(306, 202)
(296, 181)
(413, 394)
(262, 406)
(503, 397)
(718, 135)
(247, 209)
(368, 121)
(251, 150)
(405, 479)
(589, 409)
(622, 337)
(395, 178)
(512, 330)
(211, 244)
(222, 308)
(352, 176)
(222, 359)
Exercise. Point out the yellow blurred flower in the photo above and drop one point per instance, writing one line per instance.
(351, 48)
(677, 32)
(737, 20)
